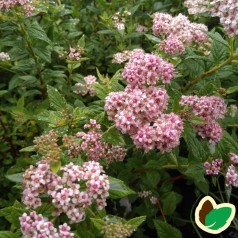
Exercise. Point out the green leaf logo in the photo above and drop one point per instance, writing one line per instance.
(214, 218)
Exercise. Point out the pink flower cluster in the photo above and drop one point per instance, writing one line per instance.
(231, 176)
(214, 167)
(146, 69)
(227, 11)
(36, 226)
(139, 109)
(197, 6)
(233, 158)
(74, 54)
(92, 145)
(114, 153)
(86, 86)
(92, 141)
(139, 112)
(163, 135)
(26, 5)
(125, 55)
(141, 28)
(132, 108)
(208, 108)
(179, 32)
(67, 195)
(172, 45)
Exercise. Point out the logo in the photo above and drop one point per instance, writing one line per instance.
(214, 218)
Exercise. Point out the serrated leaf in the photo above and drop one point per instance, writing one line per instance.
(217, 37)
(101, 90)
(217, 217)
(16, 178)
(113, 137)
(35, 31)
(118, 189)
(43, 53)
(165, 230)
(57, 101)
(136, 222)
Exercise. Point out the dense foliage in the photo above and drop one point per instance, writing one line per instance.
(116, 117)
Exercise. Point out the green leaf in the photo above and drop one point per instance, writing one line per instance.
(28, 149)
(81, 41)
(55, 166)
(169, 203)
(198, 151)
(113, 137)
(196, 173)
(43, 52)
(2, 92)
(172, 158)
(98, 223)
(165, 230)
(35, 31)
(136, 222)
(45, 209)
(16, 178)
(232, 90)
(217, 37)
(217, 218)
(227, 144)
(152, 178)
(118, 189)
(197, 120)
(101, 78)
(13, 213)
(153, 38)
(8, 234)
(57, 101)
(101, 90)
(219, 52)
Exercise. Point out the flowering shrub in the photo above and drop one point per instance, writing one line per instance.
(116, 116)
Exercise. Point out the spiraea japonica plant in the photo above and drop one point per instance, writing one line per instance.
(116, 116)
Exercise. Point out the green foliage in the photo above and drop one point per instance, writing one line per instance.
(165, 230)
(118, 189)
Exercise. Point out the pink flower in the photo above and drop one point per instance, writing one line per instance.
(214, 167)
(231, 176)
(233, 158)
(172, 45)
(147, 69)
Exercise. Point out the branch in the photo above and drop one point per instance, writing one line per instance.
(209, 72)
